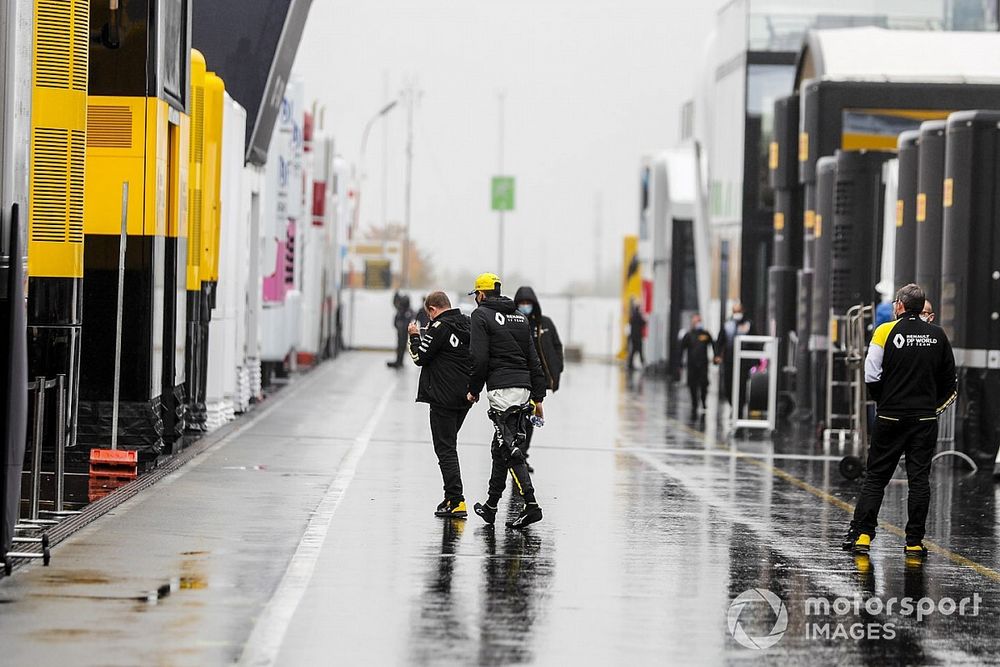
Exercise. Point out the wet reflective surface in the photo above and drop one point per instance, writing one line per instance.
(652, 530)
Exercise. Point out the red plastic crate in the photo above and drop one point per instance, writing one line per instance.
(114, 456)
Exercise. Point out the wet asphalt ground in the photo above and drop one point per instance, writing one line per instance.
(307, 537)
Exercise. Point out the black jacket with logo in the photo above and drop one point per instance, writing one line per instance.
(910, 369)
(547, 343)
(699, 348)
(443, 355)
(503, 353)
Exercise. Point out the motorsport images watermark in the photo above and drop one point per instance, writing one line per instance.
(758, 618)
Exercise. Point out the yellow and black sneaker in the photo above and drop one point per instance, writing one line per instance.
(863, 543)
(915, 551)
(452, 509)
(847, 544)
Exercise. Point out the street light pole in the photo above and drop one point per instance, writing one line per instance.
(501, 99)
(410, 92)
(357, 204)
(361, 159)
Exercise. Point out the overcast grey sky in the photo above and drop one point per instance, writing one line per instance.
(590, 86)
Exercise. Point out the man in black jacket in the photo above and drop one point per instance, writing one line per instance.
(443, 355)
(547, 345)
(736, 325)
(400, 321)
(910, 372)
(636, 329)
(504, 359)
(698, 346)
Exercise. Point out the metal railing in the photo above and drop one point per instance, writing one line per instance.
(33, 524)
(849, 348)
(853, 347)
(755, 349)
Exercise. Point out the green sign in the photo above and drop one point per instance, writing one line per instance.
(502, 193)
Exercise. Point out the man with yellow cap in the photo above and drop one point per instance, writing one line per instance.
(504, 359)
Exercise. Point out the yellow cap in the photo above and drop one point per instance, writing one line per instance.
(486, 282)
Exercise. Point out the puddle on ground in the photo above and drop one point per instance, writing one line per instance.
(72, 634)
(92, 577)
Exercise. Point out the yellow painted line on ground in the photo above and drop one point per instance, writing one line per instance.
(933, 547)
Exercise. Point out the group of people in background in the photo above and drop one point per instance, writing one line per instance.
(512, 353)
(507, 348)
(697, 350)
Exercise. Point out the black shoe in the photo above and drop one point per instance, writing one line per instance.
(531, 513)
(392, 364)
(530, 468)
(488, 513)
(452, 509)
(849, 539)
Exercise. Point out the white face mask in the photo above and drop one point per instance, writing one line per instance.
(738, 316)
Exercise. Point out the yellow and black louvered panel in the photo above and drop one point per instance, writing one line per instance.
(116, 152)
(215, 92)
(196, 185)
(58, 139)
(179, 148)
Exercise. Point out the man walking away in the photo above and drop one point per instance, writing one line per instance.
(505, 361)
(698, 346)
(547, 345)
(443, 355)
(910, 372)
(636, 328)
(736, 325)
(401, 321)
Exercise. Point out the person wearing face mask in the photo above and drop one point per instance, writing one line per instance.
(505, 360)
(927, 314)
(736, 325)
(547, 344)
(910, 372)
(699, 348)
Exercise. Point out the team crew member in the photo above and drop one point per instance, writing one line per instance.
(547, 345)
(699, 347)
(400, 322)
(504, 359)
(910, 372)
(443, 355)
(636, 328)
(736, 325)
(927, 314)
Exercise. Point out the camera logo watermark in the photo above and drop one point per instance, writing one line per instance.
(758, 600)
(849, 618)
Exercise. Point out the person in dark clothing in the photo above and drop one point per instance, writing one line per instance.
(636, 329)
(699, 348)
(421, 317)
(547, 345)
(443, 356)
(736, 325)
(401, 320)
(505, 360)
(910, 372)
